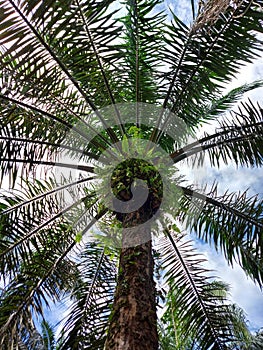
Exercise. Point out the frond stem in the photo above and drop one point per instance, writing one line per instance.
(86, 168)
(196, 150)
(60, 146)
(199, 142)
(54, 117)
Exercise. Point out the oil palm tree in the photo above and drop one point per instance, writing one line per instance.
(109, 92)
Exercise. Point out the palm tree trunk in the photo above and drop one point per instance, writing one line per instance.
(133, 324)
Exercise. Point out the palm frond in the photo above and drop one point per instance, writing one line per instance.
(233, 222)
(238, 139)
(99, 58)
(255, 343)
(222, 104)
(39, 278)
(28, 22)
(39, 281)
(38, 25)
(208, 54)
(88, 320)
(48, 335)
(199, 308)
(28, 215)
(142, 38)
(19, 125)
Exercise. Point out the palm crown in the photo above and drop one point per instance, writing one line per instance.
(86, 88)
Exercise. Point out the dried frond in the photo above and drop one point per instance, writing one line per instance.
(210, 10)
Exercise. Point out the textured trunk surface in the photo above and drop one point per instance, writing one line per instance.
(133, 324)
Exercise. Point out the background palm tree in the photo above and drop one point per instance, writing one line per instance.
(61, 63)
(172, 330)
(255, 342)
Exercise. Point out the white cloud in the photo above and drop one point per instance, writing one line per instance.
(181, 8)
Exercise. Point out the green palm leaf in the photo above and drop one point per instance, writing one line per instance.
(199, 310)
(233, 222)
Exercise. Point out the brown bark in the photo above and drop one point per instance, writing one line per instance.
(133, 324)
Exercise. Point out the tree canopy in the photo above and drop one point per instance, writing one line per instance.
(100, 103)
